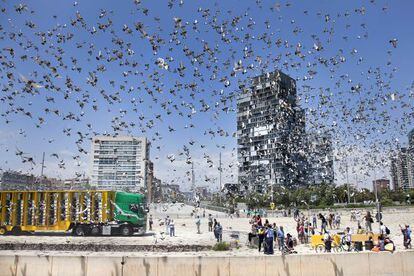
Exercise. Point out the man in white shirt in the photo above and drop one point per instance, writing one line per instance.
(383, 229)
(348, 238)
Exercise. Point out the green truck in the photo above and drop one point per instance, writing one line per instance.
(82, 212)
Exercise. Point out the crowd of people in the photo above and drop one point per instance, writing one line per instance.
(268, 235)
(169, 226)
(215, 227)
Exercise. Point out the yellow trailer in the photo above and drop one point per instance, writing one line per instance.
(85, 212)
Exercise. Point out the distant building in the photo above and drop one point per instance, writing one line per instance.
(394, 173)
(410, 161)
(119, 163)
(12, 180)
(76, 184)
(270, 133)
(202, 192)
(170, 192)
(320, 167)
(380, 185)
(156, 190)
(150, 181)
(403, 169)
(402, 166)
(411, 138)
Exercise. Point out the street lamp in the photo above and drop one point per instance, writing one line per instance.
(377, 203)
(347, 180)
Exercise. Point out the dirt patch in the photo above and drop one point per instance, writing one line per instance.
(105, 247)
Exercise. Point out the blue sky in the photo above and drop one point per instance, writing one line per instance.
(352, 38)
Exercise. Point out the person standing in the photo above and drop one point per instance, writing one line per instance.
(314, 221)
(261, 235)
(296, 214)
(259, 221)
(330, 219)
(281, 238)
(218, 232)
(327, 239)
(368, 222)
(210, 223)
(306, 227)
(270, 235)
(172, 228)
(301, 233)
(337, 220)
(352, 218)
(323, 223)
(252, 234)
(198, 223)
(358, 217)
(167, 225)
(383, 229)
(275, 228)
(150, 222)
(348, 238)
(406, 236)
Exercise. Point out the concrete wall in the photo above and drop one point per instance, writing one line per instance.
(375, 264)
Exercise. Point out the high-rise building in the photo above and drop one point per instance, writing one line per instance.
(410, 157)
(394, 173)
(320, 168)
(119, 163)
(270, 133)
(411, 138)
(399, 170)
(402, 166)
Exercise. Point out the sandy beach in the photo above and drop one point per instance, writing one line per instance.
(186, 232)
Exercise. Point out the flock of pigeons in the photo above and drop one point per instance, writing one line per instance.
(172, 70)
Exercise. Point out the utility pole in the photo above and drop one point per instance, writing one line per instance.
(356, 185)
(274, 181)
(193, 179)
(43, 165)
(41, 170)
(377, 202)
(347, 181)
(220, 178)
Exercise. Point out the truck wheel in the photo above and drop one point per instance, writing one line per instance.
(16, 231)
(95, 231)
(126, 230)
(141, 231)
(79, 230)
(3, 231)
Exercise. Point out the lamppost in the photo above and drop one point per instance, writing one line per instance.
(347, 180)
(377, 202)
(220, 170)
(272, 172)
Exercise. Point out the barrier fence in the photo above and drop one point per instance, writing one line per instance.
(375, 264)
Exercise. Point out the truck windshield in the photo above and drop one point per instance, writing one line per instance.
(136, 208)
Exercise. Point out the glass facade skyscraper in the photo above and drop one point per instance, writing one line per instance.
(270, 133)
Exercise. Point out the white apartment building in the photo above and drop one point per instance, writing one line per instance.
(119, 163)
